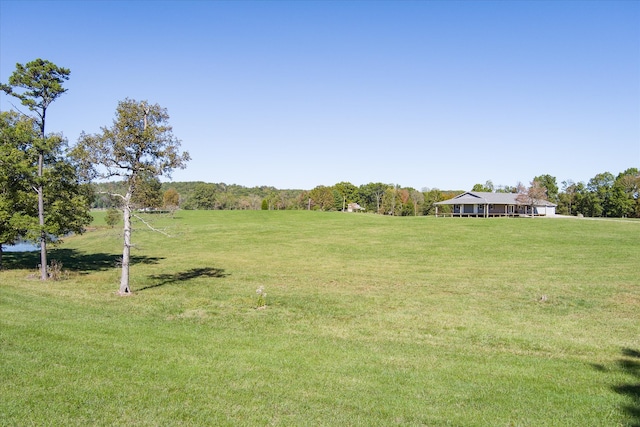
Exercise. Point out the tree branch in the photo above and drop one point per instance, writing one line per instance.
(149, 225)
(111, 194)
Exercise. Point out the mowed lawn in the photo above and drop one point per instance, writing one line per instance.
(370, 321)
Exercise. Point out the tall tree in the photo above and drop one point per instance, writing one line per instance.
(37, 84)
(139, 142)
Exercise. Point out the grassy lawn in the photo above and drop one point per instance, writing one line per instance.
(370, 321)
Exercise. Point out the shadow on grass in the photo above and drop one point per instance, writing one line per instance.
(165, 279)
(630, 365)
(71, 260)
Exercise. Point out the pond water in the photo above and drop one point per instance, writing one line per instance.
(21, 247)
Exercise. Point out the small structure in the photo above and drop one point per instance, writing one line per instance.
(354, 207)
(483, 204)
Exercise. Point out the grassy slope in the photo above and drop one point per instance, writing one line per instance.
(370, 321)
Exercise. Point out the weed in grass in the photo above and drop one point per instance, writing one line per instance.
(261, 302)
(55, 271)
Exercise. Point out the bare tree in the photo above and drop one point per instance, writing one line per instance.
(531, 196)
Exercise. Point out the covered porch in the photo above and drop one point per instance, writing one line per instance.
(485, 205)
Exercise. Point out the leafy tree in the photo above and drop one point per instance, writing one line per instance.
(391, 200)
(303, 201)
(405, 207)
(37, 84)
(112, 217)
(273, 200)
(370, 196)
(202, 197)
(140, 142)
(585, 201)
(548, 182)
(16, 136)
(348, 193)
(171, 199)
(600, 187)
(624, 194)
(322, 198)
(65, 203)
(431, 196)
(225, 199)
(567, 198)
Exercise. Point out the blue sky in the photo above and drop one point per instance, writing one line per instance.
(297, 94)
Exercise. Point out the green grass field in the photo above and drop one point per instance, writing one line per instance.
(370, 321)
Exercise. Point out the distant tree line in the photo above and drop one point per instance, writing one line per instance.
(605, 195)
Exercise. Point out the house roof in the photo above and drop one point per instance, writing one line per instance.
(486, 198)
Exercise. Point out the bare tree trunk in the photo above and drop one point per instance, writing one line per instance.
(43, 234)
(126, 250)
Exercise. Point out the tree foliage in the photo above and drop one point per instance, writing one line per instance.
(171, 198)
(322, 198)
(112, 217)
(203, 197)
(17, 134)
(148, 194)
(65, 201)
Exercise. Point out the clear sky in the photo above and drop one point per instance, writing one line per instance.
(295, 94)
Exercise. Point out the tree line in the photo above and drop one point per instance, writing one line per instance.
(604, 195)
